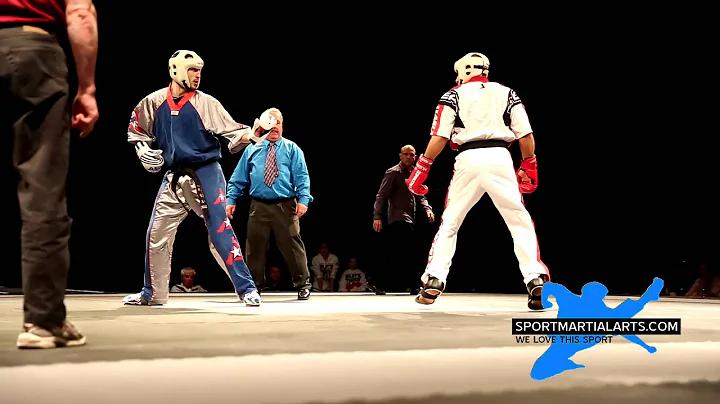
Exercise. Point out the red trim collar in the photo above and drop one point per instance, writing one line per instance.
(477, 78)
(171, 101)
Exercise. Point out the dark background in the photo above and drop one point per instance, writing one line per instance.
(623, 141)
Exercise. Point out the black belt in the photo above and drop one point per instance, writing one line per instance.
(189, 170)
(271, 201)
(480, 144)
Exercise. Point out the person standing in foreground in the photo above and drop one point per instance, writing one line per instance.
(489, 118)
(402, 266)
(279, 184)
(185, 124)
(34, 94)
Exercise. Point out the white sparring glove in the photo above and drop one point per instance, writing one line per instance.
(151, 159)
(266, 122)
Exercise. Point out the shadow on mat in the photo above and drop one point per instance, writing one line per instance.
(289, 300)
(665, 393)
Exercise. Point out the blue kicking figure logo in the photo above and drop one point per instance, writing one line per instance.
(589, 304)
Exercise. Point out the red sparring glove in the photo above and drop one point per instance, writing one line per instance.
(530, 167)
(418, 176)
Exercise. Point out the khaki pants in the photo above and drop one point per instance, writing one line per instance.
(280, 219)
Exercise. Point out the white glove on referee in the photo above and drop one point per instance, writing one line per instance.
(151, 159)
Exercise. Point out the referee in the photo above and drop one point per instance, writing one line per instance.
(279, 183)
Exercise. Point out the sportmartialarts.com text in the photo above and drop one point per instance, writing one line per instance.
(595, 326)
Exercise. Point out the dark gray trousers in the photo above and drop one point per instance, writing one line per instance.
(36, 116)
(280, 220)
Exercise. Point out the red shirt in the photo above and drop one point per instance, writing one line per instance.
(32, 11)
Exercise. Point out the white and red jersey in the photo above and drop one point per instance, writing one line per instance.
(352, 280)
(325, 269)
(481, 110)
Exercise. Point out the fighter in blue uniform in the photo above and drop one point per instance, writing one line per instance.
(182, 125)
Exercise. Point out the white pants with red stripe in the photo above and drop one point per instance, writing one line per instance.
(479, 171)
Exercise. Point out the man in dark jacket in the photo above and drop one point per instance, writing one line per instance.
(402, 272)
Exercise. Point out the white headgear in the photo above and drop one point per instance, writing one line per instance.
(471, 65)
(267, 121)
(179, 64)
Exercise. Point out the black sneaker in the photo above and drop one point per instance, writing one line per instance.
(430, 291)
(375, 289)
(303, 293)
(36, 337)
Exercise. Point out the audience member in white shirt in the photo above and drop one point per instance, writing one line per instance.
(325, 267)
(353, 279)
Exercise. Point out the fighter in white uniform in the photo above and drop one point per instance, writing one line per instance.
(481, 119)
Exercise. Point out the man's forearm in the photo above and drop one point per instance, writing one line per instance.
(83, 35)
(238, 181)
(234, 190)
(435, 146)
(425, 204)
(302, 184)
(527, 146)
(378, 208)
(382, 196)
(245, 138)
(233, 193)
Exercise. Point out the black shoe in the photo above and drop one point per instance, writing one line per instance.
(375, 289)
(304, 293)
(430, 291)
(534, 288)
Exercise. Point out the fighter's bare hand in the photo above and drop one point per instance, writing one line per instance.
(377, 225)
(301, 210)
(431, 216)
(84, 112)
(230, 210)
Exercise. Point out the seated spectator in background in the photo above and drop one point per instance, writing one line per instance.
(353, 279)
(325, 267)
(187, 276)
(707, 285)
(675, 284)
(275, 282)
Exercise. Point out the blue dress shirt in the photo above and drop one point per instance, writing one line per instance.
(293, 179)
